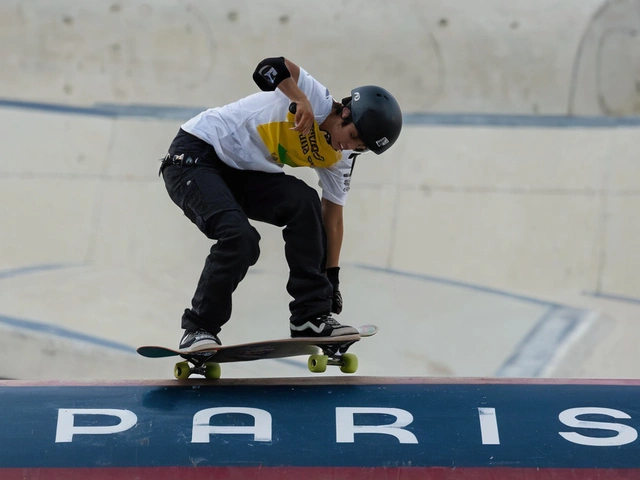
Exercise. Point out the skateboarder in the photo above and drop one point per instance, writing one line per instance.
(225, 167)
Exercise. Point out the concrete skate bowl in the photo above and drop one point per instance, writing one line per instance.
(512, 181)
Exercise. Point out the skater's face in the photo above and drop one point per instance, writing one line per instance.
(343, 135)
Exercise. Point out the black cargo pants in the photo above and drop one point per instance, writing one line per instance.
(220, 200)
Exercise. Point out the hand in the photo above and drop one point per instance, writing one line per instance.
(304, 117)
(336, 302)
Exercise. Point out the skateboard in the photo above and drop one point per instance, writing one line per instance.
(322, 352)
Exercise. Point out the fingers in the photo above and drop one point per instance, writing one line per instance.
(304, 122)
(304, 117)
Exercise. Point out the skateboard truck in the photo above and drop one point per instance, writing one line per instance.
(334, 355)
(201, 366)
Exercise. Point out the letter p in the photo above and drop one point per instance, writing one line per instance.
(66, 428)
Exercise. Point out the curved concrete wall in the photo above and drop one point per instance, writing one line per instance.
(542, 211)
(576, 57)
(549, 210)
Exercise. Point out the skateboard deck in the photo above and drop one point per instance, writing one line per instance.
(321, 351)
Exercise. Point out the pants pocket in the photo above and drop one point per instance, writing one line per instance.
(194, 206)
(206, 195)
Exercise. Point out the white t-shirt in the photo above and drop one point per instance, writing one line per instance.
(255, 133)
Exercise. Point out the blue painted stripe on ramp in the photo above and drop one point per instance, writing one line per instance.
(613, 297)
(410, 118)
(67, 334)
(518, 121)
(537, 349)
(456, 283)
(16, 272)
(45, 328)
(48, 329)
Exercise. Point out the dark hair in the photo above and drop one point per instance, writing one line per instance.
(338, 109)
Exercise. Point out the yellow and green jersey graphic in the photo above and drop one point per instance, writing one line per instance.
(292, 148)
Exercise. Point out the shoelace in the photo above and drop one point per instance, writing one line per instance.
(330, 321)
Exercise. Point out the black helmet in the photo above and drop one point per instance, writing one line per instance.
(377, 117)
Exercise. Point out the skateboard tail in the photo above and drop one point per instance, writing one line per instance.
(163, 352)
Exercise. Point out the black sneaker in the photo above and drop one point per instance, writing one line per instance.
(322, 326)
(194, 341)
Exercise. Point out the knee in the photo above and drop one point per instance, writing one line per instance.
(247, 242)
(235, 235)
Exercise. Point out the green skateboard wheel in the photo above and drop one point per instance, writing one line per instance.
(212, 370)
(349, 363)
(181, 371)
(318, 363)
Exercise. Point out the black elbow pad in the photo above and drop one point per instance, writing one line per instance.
(270, 72)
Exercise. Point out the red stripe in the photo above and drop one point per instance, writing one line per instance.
(317, 473)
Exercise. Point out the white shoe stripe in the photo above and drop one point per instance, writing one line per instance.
(308, 325)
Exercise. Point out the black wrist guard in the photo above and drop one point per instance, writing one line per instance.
(270, 72)
(333, 274)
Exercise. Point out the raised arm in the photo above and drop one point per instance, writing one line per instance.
(280, 73)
